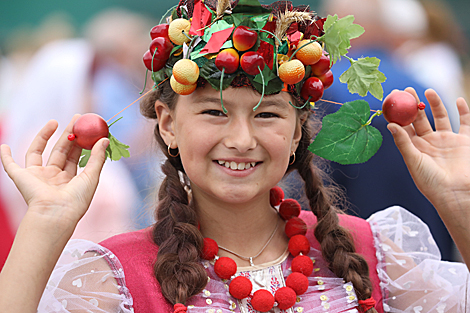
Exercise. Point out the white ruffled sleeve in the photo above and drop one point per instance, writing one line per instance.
(87, 278)
(412, 276)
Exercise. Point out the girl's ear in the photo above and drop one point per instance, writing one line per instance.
(298, 130)
(165, 122)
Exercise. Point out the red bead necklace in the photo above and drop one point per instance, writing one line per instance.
(302, 266)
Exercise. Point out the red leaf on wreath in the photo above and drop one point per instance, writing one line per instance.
(217, 40)
(201, 18)
(267, 51)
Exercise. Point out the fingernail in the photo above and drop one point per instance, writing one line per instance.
(392, 130)
(105, 143)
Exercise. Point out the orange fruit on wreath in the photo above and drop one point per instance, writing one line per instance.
(180, 88)
(175, 31)
(186, 72)
(292, 72)
(310, 53)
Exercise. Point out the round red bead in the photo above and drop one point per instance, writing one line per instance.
(225, 267)
(285, 298)
(262, 300)
(276, 195)
(295, 226)
(298, 244)
(298, 282)
(240, 287)
(209, 249)
(289, 208)
(302, 264)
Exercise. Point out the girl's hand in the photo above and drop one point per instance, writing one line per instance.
(54, 190)
(439, 161)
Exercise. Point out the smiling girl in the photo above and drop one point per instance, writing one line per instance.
(226, 238)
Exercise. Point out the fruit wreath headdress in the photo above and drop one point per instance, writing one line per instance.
(272, 48)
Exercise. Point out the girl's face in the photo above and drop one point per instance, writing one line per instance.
(237, 156)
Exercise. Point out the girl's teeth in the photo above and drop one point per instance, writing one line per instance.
(237, 166)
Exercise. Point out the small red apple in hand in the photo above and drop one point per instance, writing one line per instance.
(88, 129)
(401, 107)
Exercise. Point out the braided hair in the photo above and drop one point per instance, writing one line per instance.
(178, 269)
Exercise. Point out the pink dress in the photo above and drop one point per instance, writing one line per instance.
(405, 271)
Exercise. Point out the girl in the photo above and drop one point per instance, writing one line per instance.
(225, 238)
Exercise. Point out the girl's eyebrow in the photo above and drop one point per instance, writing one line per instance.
(228, 102)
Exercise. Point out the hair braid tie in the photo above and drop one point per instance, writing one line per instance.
(367, 304)
(180, 308)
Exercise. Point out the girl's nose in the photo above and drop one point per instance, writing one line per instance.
(240, 136)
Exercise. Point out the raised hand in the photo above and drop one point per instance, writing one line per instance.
(439, 162)
(55, 190)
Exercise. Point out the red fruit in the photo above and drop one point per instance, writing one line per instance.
(322, 66)
(228, 59)
(250, 61)
(244, 38)
(163, 46)
(400, 107)
(327, 79)
(160, 30)
(88, 129)
(313, 89)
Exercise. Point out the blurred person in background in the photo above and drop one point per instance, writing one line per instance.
(431, 53)
(99, 73)
(384, 180)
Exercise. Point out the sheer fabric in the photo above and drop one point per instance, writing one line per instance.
(89, 278)
(413, 278)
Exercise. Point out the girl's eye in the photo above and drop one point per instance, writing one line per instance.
(214, 112)
(267, 115)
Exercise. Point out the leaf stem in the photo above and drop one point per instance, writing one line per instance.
(377, 113)
(221, 85)
(114, 122)
(303, 106)
(164, 15)
(262, 93)
(267, 31)
(350, 59)
(145, 81)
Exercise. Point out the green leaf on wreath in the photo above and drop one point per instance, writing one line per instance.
(212, 74)
(217, 26)
(363, 76)
(274, 85)
(338, 33)
(345, 138)
(249, 6)
(268, 75)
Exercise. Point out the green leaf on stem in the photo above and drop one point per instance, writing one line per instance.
(115, 151)
(346, 136)
(212, 74)
(268, 75)
(250, 6)
(273, 86)
(338, 33)
(363, 76)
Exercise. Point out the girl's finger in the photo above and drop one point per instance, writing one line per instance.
(404, 144)
(439, 112)
(464, 113)
(72, 160)
(60, 152)
(36, 149)
(95, 163)
(9, 164)
(421, 123)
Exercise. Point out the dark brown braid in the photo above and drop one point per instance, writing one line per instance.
(337, 245)
(177, 268)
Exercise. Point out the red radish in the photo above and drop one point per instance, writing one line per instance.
(400, 107)
(88, 129)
